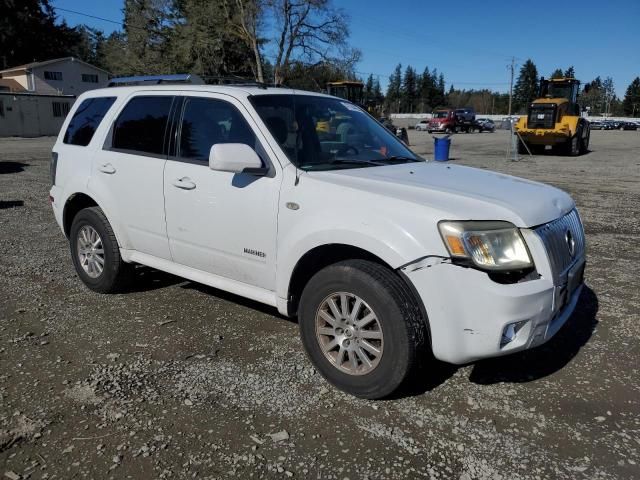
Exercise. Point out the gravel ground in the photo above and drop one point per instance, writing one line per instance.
(177, 380)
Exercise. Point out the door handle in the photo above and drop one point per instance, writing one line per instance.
(107, 168)
(184, 183)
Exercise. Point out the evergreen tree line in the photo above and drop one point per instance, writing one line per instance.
(303, 43)
(597, 97)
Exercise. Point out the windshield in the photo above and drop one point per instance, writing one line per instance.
(559, 91)
(444, 114)
(321, 133)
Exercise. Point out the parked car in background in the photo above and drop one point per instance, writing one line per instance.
(422, 125)
(508, 121)
(597, 125)
(629, 126)
(485, 125)
(612, 124)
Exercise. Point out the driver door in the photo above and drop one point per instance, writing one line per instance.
(221, 223)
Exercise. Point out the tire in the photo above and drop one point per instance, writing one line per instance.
(572, 147)
(89, 226)
(396, 321)
(584, 144)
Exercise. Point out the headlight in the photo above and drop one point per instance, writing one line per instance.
(489, 245)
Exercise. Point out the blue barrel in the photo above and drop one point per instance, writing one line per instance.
(441, 149)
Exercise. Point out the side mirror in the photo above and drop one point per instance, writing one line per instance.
(236, 158)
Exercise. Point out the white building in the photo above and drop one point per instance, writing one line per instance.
(61, 76)
(35, 98)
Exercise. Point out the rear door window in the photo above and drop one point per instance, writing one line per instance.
(207, 121)
(141, 126)
(86, 119)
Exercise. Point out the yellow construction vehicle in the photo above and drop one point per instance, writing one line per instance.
(348, 89)
(554, 119)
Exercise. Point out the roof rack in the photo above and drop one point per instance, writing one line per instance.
(156, 79)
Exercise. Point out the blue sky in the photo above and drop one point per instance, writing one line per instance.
(472, 42)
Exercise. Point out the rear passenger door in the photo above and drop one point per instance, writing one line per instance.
(128, 172)
(220, 222)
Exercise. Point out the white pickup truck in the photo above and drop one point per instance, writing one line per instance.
(305, 202)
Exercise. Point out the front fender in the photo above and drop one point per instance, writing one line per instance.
(291, 250)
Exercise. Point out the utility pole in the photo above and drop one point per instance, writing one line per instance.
(512, 67)
(514, 139)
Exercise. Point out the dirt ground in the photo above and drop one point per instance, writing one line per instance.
(178, 380)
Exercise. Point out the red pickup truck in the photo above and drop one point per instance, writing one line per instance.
(449, 120)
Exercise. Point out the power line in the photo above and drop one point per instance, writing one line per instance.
(265, 55)
(92, 16)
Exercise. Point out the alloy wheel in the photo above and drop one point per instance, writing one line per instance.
(349, 333)
(90, 251)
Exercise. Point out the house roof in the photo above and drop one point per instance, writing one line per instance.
(11, 84)
(28, 66)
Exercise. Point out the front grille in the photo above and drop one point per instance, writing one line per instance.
(542, 116)
(555, 238)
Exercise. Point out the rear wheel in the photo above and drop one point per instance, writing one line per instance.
(361, 328)
(96, 254)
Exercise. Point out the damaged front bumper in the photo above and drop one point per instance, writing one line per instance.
(472, 317)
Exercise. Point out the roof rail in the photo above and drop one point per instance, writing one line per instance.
(156, 79)
(235, 81)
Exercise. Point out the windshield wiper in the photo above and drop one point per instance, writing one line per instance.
(399, 159)
(342, 161)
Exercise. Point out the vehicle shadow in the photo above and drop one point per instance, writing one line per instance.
(549, 358)
(10, 204)
(233, 298)
(12, 167)
(148, 279)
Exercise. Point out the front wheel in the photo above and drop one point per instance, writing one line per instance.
(96, 254)
(361, 328)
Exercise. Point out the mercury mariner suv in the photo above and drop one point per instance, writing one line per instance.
(305, 202)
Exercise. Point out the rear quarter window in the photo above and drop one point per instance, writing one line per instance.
(86, 119)
(141, 125)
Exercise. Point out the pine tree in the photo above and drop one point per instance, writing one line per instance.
(570, 72)
(393, 89)
(439, 100)
(368, 89)
(377, 92)
(557, 73)
(425, 86)
(409, 90)
(526, 88)
(631, 102)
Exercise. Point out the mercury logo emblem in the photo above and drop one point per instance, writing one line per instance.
(571, 242)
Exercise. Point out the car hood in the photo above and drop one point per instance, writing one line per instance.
(458, 192)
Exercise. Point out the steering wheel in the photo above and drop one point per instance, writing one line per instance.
(346, 148)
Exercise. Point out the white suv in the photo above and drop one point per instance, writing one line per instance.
(305, 202)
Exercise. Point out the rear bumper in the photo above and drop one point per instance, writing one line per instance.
(469, 313)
